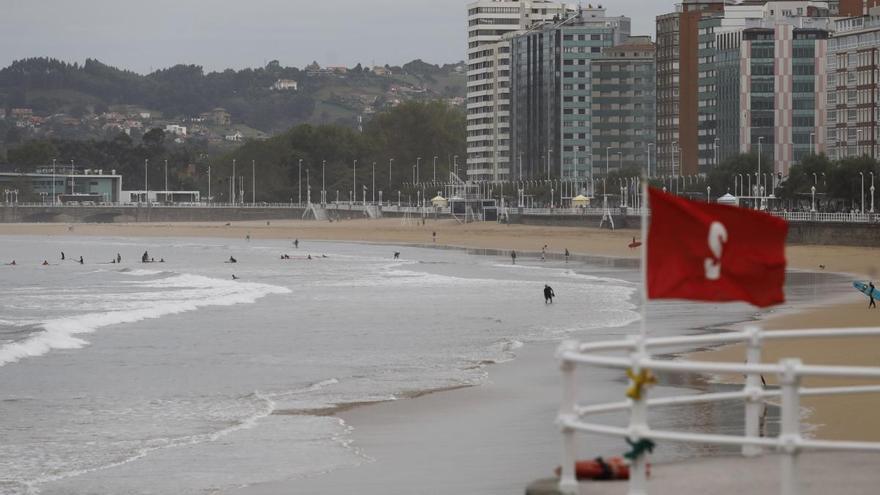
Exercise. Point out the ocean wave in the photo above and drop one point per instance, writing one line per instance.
(61, 333)
(141, 272)
(263, 407)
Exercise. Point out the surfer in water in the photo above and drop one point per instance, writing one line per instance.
(397, 255)
(234, 277)
(232, 260)
(871, 304)
(118, 258)
(548, 294)
(81, 262)
(145, 258)
(62, 255)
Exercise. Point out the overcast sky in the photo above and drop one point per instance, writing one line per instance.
(143, 35)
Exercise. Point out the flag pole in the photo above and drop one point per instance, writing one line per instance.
(643, 327)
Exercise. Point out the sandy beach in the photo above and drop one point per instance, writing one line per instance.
(844, 417)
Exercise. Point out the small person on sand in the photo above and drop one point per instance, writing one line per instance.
(871, 304)
(434, 236)
(118, 258)
(247, 238)
(145, 258)
(296, 243)
(513, 257)
(566, 255)
(81, 262)
(397, 255)
(548, 294)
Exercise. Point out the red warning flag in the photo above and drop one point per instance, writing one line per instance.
(710, 252)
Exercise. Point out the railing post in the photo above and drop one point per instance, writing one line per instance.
(790, 436)
(638, 423)
(568, 484)
(754, 401)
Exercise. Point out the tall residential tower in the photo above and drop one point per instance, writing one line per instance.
(488, 78)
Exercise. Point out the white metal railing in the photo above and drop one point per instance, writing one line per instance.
(572, 415)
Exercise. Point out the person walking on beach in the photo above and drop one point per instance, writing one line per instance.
(81, 262)
(434, 236)
(296, 243)
(397, 255)
(118, 258)
(566, 255)
(871, 304)
(548, 294)
(513, 257)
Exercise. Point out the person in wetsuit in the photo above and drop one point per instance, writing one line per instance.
(548, 294)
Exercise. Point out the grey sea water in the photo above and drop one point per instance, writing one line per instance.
(174, 378)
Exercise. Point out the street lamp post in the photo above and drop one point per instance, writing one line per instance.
(862, 207)
(549, 151)
(233, 181)
(390, 161)
(299, 187)
(209, 183)
(323, 184)
(813, 191)
(435, 168)
(146, 181)
(53, 181)
(607, 155)
(253, 182)
(872, 191)
(716, 152)
(674, 152)
(418, 175)
(455, 165)
(354, 180)
(758, 178)
(166, 180)
(374, 183)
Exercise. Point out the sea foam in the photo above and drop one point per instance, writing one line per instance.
(179, 293)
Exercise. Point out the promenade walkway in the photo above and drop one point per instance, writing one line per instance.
(821, 474)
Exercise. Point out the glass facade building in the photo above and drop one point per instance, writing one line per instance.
(552, 94)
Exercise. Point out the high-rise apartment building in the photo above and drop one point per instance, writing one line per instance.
(677, 85)
(720, 63)
(623, 111)
(853, 92)
(488, 78)
(782, 89)
(552, 96)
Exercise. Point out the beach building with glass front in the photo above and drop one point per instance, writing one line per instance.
(66, 187)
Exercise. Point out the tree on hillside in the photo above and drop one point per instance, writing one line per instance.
(32, 154)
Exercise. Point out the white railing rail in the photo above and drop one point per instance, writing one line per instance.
(790, 372)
